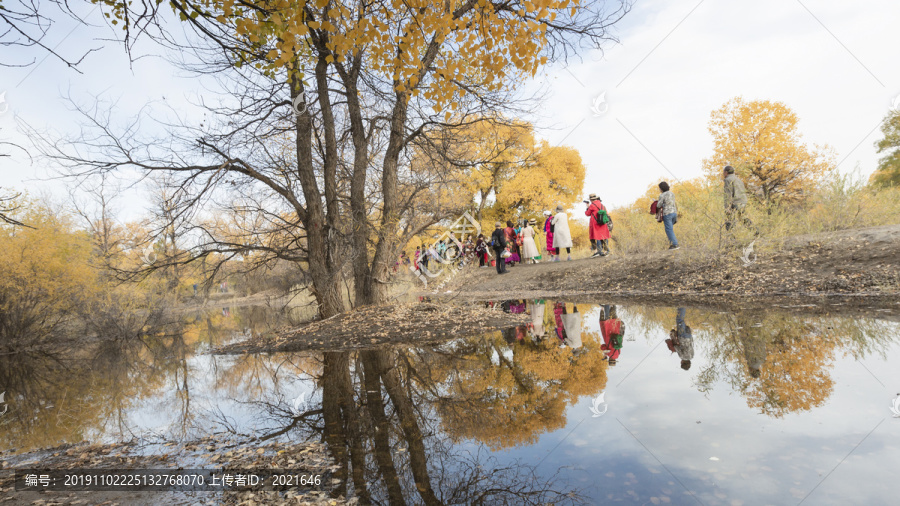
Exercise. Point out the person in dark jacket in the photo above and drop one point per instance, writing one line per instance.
(481, 250)
(498, 242)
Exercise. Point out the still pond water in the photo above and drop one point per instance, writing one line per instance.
(771, 408)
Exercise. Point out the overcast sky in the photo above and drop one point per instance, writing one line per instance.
(834, 63)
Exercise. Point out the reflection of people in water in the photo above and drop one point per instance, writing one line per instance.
(538, 307)
(514, 335)
(681, 340)
(753, 342)
(613, 330)
(513, 306)
(568, 325)
(517, 306)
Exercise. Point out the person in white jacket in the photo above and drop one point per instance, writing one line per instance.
(537, 307)
(562, 238)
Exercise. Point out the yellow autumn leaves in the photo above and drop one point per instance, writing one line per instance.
(510, 175)
(45, 273)
(492, 43)
(761, 140)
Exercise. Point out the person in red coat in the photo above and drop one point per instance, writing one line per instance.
(599, 233)
(613, 330)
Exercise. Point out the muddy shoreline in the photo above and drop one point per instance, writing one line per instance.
(404, 324)
(858, 268)
(849, 273)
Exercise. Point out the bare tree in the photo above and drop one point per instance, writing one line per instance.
(9, 203)
(26, 23)
(95, 205)
(9, 200)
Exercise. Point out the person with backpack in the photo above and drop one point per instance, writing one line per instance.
(667, 213)
(613, 331)
(599, 227)
(498, 243)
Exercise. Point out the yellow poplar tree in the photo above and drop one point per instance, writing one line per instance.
(496, 151)
(556, 176)
(425, 64)
(509, 174)
(761, 141)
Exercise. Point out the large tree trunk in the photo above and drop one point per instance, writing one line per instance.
(362, 279)
(378, 289)
(326, 286)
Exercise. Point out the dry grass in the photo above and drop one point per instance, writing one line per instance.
(841, 203)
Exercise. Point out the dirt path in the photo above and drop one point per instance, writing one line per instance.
(852, 272)
(862, 262)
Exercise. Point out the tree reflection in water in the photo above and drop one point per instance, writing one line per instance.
(383, 427)
(93, 389)
(62, 398)
(779, 362)
(412, 424)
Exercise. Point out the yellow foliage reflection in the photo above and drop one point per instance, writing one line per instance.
(779, 362)
(507, 391)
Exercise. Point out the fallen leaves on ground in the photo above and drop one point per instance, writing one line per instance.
(414, 323)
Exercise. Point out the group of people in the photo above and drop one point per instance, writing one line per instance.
(568, 328)
(517, 242)
(735, 194)
(512, 245)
